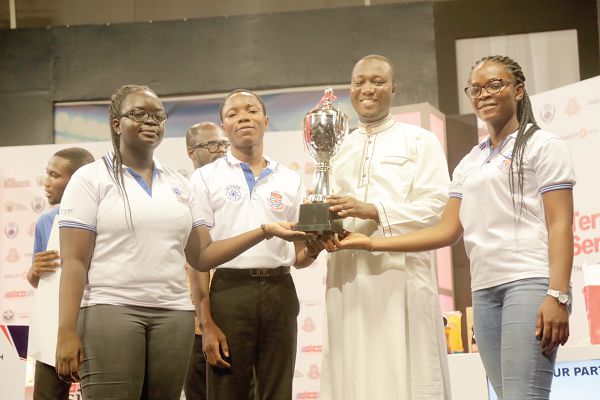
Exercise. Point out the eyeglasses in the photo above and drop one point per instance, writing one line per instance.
(212, 146)
(493, 86)
(142, 116)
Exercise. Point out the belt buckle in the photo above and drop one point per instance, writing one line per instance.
(259, 272)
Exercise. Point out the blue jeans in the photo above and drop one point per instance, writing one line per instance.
(504, 319)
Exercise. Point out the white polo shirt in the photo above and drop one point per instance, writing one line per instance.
(139, 265)
(233, 201)
(501, 247)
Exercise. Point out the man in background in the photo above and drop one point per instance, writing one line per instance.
(205, 142)
(61, 166)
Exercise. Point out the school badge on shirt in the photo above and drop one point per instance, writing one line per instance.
(506, 163)
(233, 192)
(276, 201)
(180, 195)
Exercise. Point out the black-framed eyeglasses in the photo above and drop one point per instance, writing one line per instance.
(142, 116)
(212, 146)
(492, 86)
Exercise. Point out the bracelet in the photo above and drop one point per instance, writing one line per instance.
(371, 244)
(264, 231)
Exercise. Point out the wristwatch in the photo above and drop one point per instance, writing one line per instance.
(562, 297)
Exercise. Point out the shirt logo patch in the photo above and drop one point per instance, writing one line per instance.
(180, 195)
(233, 193)
(276, 201)
(505, 165)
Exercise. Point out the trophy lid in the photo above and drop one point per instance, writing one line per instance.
(324, 106)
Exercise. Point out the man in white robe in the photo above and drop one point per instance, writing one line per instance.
(384, 337)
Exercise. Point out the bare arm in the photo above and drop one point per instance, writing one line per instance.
(203, 254)
(553, 317)
(76, 247)
(446, 233)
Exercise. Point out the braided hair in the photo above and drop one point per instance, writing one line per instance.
(525, 117)
(116, 167)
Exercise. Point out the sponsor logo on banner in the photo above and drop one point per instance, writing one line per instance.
(13, 255)
(593, 101)
(313, 372)
(37, 204)
(11, 230)
(547, 112)
(315, 348)
(586, 239)
(11, 206)
(18, 294)
(308, 395)
(573, 106)
(233, 192)
(15, 183)
(15, 275)
(31, 230)
(308, 325)
(276, 201)
(298, 374)
(582, 133)
(8, 315)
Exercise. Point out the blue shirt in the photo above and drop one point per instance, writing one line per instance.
(43, 227)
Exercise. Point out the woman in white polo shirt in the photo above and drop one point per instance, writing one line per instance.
(127, 226)
(511, 198)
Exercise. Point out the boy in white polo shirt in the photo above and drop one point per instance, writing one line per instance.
(250, 320)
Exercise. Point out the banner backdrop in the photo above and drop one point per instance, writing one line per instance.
(571, 112)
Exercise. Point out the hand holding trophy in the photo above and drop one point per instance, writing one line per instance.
(324, 130)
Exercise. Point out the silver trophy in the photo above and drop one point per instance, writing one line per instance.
(324, 130)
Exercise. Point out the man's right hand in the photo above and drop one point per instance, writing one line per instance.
(45, 261)
(214, 345)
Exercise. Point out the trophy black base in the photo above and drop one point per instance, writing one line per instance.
(317, 218)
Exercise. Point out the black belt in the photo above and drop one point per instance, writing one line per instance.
(253, 272)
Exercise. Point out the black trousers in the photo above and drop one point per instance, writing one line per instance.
(195, 380)
(258, 317)
(47, 385)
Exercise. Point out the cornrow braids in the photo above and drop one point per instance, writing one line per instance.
(116, 167)
(525, 117)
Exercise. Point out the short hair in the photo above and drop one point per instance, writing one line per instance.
(76, 156)
(380, 58)
(262, 103)
(196, 128)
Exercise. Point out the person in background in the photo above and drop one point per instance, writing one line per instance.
(205, 142)
(61, 166)
(511, 199)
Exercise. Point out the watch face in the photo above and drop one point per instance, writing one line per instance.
(563, 298)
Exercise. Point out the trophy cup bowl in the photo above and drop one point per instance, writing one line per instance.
(324, 130)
